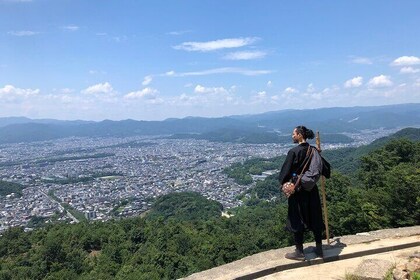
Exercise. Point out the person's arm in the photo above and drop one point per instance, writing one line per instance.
(286, 169)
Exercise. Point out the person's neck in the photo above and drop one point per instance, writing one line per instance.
(302, 142)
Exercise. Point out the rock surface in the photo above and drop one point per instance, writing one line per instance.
(372, 269)
(405, 270)
(341, 257)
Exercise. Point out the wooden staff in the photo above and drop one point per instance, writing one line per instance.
(324, 198)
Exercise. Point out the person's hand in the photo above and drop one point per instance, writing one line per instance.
(288, 189)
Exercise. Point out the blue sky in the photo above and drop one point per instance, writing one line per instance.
(151, 60)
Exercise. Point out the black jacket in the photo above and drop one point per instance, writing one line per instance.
(304, 211)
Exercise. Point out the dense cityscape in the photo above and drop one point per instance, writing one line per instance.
(105, 178)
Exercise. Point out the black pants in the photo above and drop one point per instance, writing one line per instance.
(299, 237)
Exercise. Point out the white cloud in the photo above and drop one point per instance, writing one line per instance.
(147, 80)
(23, 33)
(290, 90)
(380, 81)
(269, 84)
(310, 88)
(216, 45)
(245, 55)
(146, 93)
(261, 95)
(209, 90)
(101, 34)
(409, 70)
(355, 82)
(71, 27)
(184, 97)
(11, 93)
(224, 70)
(99, 89)
(361, 60)
(406, 60)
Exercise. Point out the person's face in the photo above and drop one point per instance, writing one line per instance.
(297, 137)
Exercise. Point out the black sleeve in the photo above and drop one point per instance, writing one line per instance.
(286, 169)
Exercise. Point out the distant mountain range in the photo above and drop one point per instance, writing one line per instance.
(327, 120)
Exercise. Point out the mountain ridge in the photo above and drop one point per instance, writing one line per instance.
(329, 120)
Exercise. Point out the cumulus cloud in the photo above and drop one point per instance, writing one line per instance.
(99, 89)
(12, 93)
(22, 33)
(355, 82)
(71, 27)
(263, 98)
(409, 70)
(210, 90)
(245, 55)
(380, 81)
(185, 99)
(406, 61)
(269, 84)
(146, 93)
(216, 45)
(290, 90)
(361, 60)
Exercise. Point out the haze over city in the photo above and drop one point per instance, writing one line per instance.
(152, 60)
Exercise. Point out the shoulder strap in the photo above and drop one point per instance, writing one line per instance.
(306, 165)
(305, 159)
(309, 159)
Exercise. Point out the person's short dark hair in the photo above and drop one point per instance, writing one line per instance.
(305, 132)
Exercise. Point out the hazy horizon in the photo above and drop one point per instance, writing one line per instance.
(223, 116)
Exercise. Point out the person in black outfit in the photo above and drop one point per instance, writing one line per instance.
(304, 207)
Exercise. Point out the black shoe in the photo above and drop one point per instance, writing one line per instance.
(318, 250)
(297, 255)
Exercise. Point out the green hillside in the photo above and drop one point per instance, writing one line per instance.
(185, 233)
(9, 188)
(347, 160)
(185, 206)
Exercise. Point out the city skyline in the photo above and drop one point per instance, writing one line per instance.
(145, 60)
